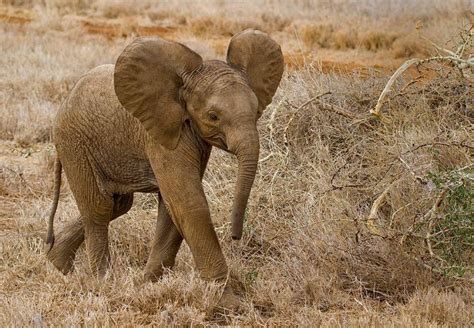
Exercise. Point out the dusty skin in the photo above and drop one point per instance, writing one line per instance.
(306, 257)
(183, 106)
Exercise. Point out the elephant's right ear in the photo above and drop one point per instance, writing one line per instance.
(147, 78)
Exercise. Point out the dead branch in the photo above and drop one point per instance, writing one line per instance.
(428, 216)
(432, 219)
(297, 110)
(388, 86)
(461, 144)
(464, 65)
(272, 129)
(337, 110)
(417, 177)
(379, 201)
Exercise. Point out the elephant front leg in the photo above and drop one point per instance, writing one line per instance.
(193, 220)
(181, 188)
(195, 224)
(165, 245)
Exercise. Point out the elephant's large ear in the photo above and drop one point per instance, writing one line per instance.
(148, 76)
(260, 57)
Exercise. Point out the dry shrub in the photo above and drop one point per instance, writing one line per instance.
(344, 39)
(409, 45)
(206, 26)
(409, 151)
(114, 9)
(332, 37)
(441, 307)
(381, 270)
(375, 40)
(274, 22)
(167, 15)
(317, 35)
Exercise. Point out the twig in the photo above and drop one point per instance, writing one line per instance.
(451, 144)
(402, 90)
(388, 86)
(323, 106)
(427, 216)
(449, 52)
(337, 110)
(285, 140)
(379, 201)
(434, 211)
(464, 65)
(266, 158)
(272, 118)
(417, 177)
(272, 129)
(22, 178)
(429, 267)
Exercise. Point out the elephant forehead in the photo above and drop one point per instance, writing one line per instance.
(213, 76)
(232, 96)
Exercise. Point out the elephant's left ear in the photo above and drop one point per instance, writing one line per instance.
(260, 57)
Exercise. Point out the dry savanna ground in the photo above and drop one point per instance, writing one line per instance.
(354, 219)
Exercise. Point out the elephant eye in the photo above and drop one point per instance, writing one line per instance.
(213, 116)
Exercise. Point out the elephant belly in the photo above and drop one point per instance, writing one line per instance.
(126, 175)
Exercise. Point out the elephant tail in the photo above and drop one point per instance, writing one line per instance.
(57, 189)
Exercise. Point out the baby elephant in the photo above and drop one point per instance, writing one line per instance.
(148, 124)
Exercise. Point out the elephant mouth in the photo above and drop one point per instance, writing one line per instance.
(217, 141)
(220, 143)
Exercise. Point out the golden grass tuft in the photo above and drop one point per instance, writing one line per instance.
(207, 26)
(410, 46)
(317, 35)
(374, 40)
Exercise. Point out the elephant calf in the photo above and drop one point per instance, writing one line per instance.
(148, 124)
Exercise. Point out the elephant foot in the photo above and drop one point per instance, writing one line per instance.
(153, 276)
(63, 263)
(63, 250)
(229, 300)
(62, 255)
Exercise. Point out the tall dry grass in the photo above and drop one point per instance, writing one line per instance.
(368, 25)
(307, 257)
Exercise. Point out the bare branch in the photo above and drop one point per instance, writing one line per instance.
(298, 109)
(431, 222)
(379, 201)
(388, 86)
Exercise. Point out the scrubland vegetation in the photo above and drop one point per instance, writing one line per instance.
(354, 219)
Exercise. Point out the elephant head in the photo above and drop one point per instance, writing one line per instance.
(164, 83)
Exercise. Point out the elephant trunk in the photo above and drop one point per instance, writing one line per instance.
(247, 155)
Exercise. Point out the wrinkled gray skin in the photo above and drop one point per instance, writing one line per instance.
(109, 151)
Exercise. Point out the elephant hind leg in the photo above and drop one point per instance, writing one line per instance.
(97, 226)
(165, 245)
(66, 243)
(70, 238)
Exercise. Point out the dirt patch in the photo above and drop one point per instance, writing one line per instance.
(16, 15)
(122, 27)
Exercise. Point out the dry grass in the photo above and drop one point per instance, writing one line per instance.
(307, 257)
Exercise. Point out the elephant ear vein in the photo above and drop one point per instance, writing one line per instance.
(147, 79)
